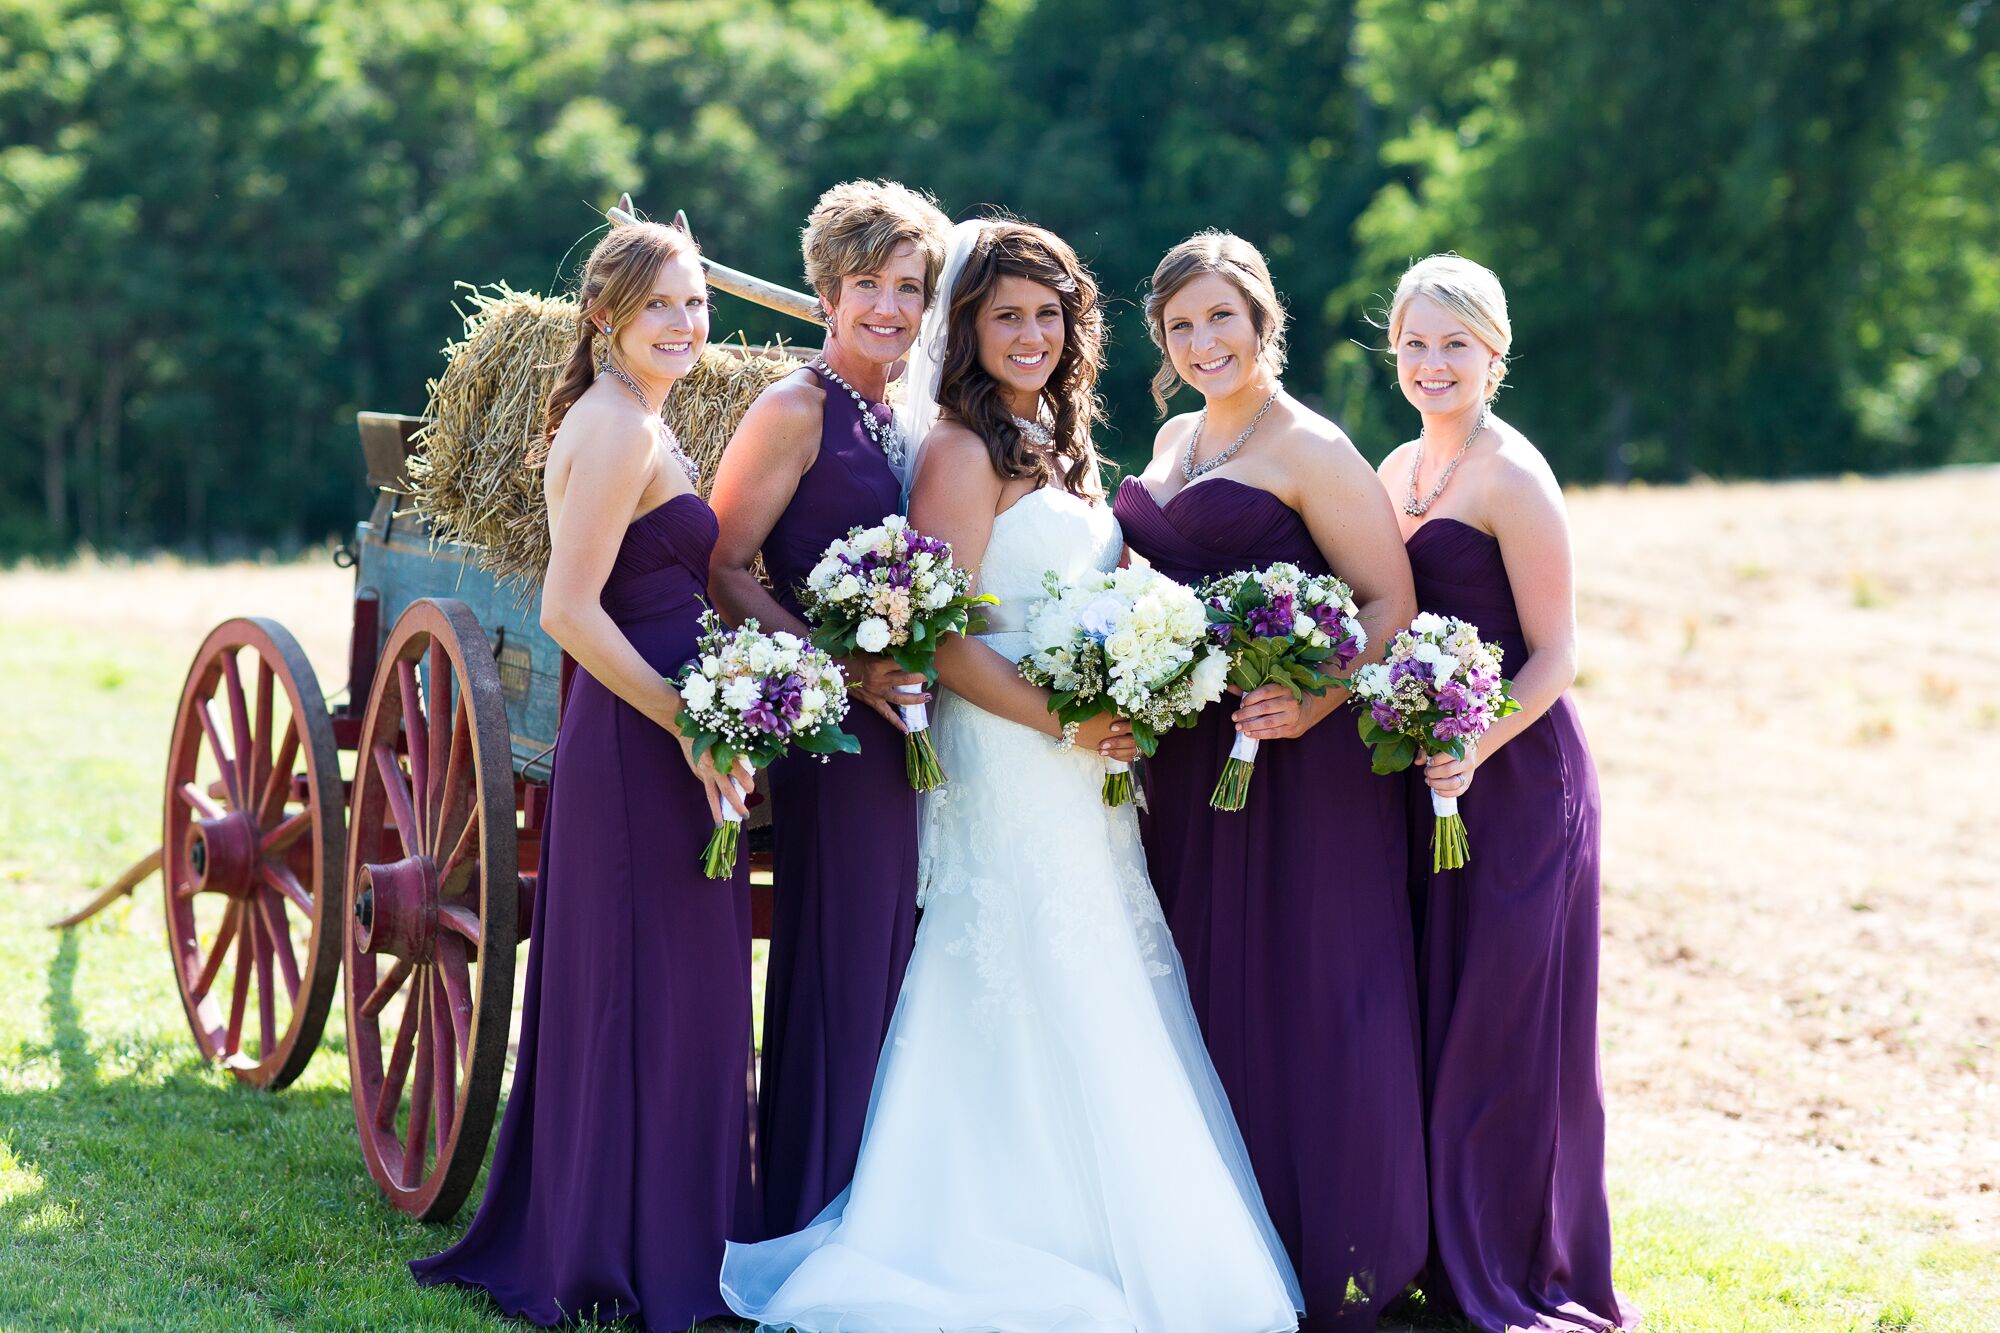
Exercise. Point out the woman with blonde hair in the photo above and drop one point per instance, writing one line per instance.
(1507, 944)
(817, 454)
(624, 1157)
(1292, 913)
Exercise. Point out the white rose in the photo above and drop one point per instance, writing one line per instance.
(1427, 623)
(846, 586)
(872, 635)
(761, 658)
(1123, 644)
(711, 666)
(923, 562)
(740, 693)
(1302, 624)
(823, 575)
(938, 595)
(812, 699)
(1426, 651)
(698, 692)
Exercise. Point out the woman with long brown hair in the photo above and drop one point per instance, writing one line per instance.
(623, 1160)
(1047, 1146)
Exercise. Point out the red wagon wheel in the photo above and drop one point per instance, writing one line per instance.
(430, 940)
(250, 851)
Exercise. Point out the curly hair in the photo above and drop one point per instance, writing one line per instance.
(857, 225)
(967, 392)
(1234, 258)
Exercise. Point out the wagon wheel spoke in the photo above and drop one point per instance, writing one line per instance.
(466, 849)
(416, 738)
(232, 1040)
(205, 979)
(422, 1088)
(239, 727)
(286, 832)
(223, 759)
(456, 979)
(279, 932)
(267, 1016)
(393, 1078)
(386, 988)
(455, 804)
(197, 800)
(280, 781)
(397, 793)
(445, 1069)
(461, 919)
(281, 878)
(441, 729)
(260, 765)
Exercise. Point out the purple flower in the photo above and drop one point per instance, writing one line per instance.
(1221, 632)
(1327, 616)
(1386, 717)
(1452, 697)
(1269, 622)
(1345, 650)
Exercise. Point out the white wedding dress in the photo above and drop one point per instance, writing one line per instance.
(1047, 1147)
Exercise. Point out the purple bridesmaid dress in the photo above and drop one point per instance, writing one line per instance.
(1292, 917)
(844, 900)
(624, 1155)
(1507, 968)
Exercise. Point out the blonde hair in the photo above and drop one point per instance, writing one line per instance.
(1470, 291)
(857, 225)
(1243, 264)
(617, 279)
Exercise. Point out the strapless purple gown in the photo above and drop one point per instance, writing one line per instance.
(1292, 917)
(844, 901)
(624, 1155)
(1507, 966)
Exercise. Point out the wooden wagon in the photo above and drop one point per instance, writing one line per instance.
(389, 843)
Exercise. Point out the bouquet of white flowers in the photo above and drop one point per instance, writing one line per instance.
(890, 589)
(1280, 625)
(748, 694)
(1439, 689)
(1131, 642)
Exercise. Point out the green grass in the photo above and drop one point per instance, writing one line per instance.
(141, 1189)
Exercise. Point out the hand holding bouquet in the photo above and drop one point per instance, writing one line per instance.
(890, 589)
(750, 695)
(1439, 690)
(1280, 626)
(1130, 642)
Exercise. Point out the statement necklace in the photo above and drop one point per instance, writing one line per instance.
(679, 454)
(1190, 469)
(885, 434)
(1035, 433)
(1414, 507)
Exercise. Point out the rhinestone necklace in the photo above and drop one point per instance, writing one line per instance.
(1035, 433)
(679, 454)
(1414, 507)
(887, 438)
(1190, 470)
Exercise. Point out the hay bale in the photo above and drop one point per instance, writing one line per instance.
(474, 469)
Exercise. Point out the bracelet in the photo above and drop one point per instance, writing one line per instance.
(1068, 741)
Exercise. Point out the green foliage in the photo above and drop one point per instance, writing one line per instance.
(1754, 239)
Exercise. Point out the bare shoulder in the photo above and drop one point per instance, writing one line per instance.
(1397, 463)
(789, 411)
(601, 433)
(1172, 436)
(1518, 471)
(955, 451)
(1315, 446)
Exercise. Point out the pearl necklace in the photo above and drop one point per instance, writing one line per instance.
(1416, 508)
(679, 454)
(1190, 469)
(886, 436)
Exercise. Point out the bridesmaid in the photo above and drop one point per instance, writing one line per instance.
(1507, 949)
(624, 1156)
(1291, 915)
(817, 454)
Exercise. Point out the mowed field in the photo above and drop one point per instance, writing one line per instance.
(1790, 693)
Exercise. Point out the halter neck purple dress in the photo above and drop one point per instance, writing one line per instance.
(1292, 917)
(624, 1155)
(844, 835)
(1507, 965)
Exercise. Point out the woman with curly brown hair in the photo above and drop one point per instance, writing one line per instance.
(1047, 1146)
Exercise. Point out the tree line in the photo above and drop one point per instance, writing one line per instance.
(1750, 239)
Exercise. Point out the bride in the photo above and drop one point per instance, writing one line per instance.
(1047, 1146)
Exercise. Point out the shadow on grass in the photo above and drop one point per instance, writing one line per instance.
(141, 1187)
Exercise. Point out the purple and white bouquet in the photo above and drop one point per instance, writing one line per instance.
(748, 694)
(1126, 641)
(1279, 625)
(890, 589)
(1439, 689)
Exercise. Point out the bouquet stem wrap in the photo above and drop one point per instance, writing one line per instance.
(719, 860)
(1117, 782)
(920, 759)
(1232, 789)
(1449, 849)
